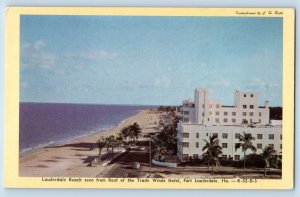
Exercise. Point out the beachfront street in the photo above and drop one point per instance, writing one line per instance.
(122, 167)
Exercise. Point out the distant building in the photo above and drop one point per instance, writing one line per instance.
(203, 117)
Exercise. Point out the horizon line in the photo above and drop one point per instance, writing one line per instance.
(152, 105)
(92, 103)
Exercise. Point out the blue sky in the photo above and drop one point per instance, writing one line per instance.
(148, 60)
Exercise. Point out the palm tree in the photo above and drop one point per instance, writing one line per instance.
(125, 132)
(215, 153)
(101, 143)
(267, 154)
(120, 140)
(213, 150)
(111, 142)
(245, 144)
(136, 130)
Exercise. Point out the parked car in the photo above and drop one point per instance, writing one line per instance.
(134, 147)
(136, 165)
(142, 148)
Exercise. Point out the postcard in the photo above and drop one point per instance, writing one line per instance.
(162, 98)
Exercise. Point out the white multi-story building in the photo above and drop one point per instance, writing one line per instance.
(203, 117)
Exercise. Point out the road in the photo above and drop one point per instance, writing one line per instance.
(122, 167)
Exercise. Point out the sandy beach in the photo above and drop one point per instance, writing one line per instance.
(73, 158)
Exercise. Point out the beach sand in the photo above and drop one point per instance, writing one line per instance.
(73, 158)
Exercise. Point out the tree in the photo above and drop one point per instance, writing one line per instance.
(125, 132)
(245, 144)
(267, 154)
(161, 123)
(111, 142)
(136, 130)
(169, 136)
(213, 151)
(132, 132)
(101, 143)
(159, 147)
(120, 140)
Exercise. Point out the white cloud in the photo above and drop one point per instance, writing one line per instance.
(95, 55)
(203, 65)
(222, 82)
(259, 83)
(39, 44)
(35, 55)
(162, 82)
(98, 55)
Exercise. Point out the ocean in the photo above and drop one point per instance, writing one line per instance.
(44, 124)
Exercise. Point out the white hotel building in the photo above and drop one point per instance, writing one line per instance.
(203, 117)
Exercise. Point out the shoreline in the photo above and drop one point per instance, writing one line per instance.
(74, 138)
(72, 157)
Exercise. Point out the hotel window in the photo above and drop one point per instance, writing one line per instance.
(195, 156)
(233, 120)
(225, 119)
(271, 136)
(185, 135)
(197, 135)
(210, 105)
(206, 134)
(251, 95)
(280, 146)
(251, 113)
(271, 145)
(217, 113)
(225, 113)
(259, 136)
(224, 135)
(215, 135)
(202, 105)
(185, 156)
(259, 113)
(224, 145)
(197, 144)
(259, 146)
(217, 119)
(244, 121)
(244, 113)
(281, 136)
(185, 119)
(233, 113)
(259, 121)
(245, 106)
(251, 106)
(250, 120)
(186, 112)
(210, 113)
(217, 106)
(185, 144)
(236, 157)
(202, 113)
(244, 95)
(237, 136)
